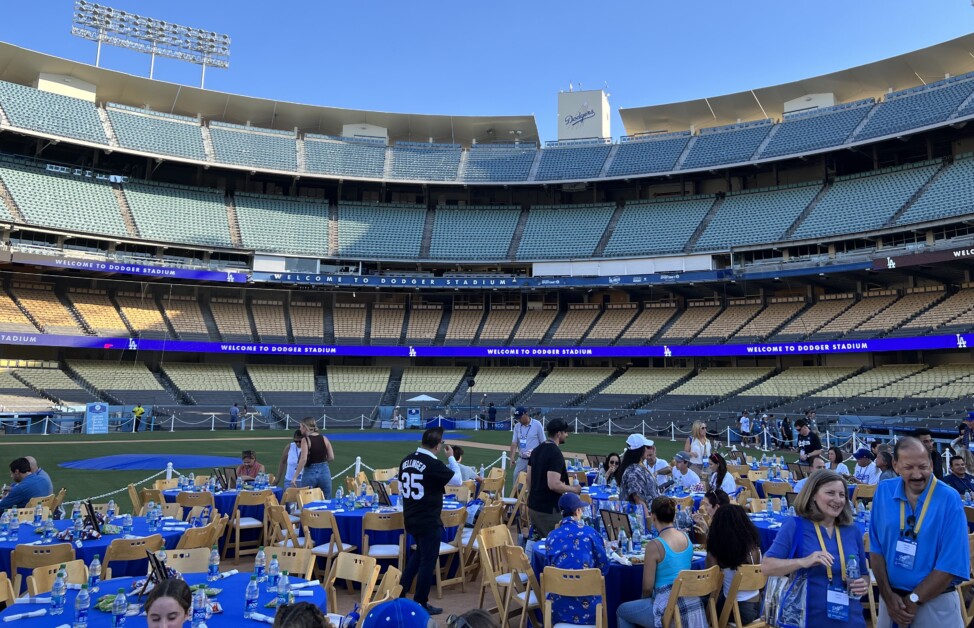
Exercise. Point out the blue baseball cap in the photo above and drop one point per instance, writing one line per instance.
(518, 411)
(401, 612)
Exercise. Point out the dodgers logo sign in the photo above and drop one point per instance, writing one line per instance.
(584, 113)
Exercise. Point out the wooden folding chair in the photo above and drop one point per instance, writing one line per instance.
(491, 488)
(41, 580)
(280, 529)
(694, 583)
(46, 500)
(240, 523)
(195, 538)
(574, 583)
(494, 573)
(462, 493)
(453, 550)
(757, 474)
(59, 499)
(352, 568)
(797, 470)
(496, 473)
(324, 520)
(613, 521)
(162, 485)
(195, 560)
(525, 591)
(172, 510)
(196, 500)
(790, 498)
(150, 495)
(297, 561)
(6, 589)
(26, 515)
(122, 550)
(384, 522)
(489, 516)
(33, 556)
(136, 499)
(310, 495)
(388, 589)
(203, 480)
(746, 578)
(102, 509)
(757, 505)
(384, 475)
(864, 492)
(776, 489)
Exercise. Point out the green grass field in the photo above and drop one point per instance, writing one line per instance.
(52, 450)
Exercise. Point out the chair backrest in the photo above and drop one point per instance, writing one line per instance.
(135, 498)
(354, 568)
(593, 460)
(382, 521)
(280, 527)
(152, 495)
(6, 589)
(454, 519)
(254, 498)
(581, 477)
(613, 521)
(41, 580)
(132, 549)
(746, 578)
(201, 480)
(323, 520)
(797, 470)
(163, 484)
(308, 495)
(46, 500)
(864, 492)
(194, 538)
(462, 493)
(297, 561)
(517, 561)
(757, 474)
(388, 589)
(778, 489)
(59, 499)
(790, 498)
(26, 514)
(191, 500)
(190, 560)
(496, 473)
(492, 487)
(573, 583)
(737, 470)
(384, 475)
(31, 556)
(758, 504)
(695, 583)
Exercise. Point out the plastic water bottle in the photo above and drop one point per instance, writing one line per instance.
(637, 538)
(239, 484)
(283, 590)
(81, 605)
(199, 608)
(273, 574)
(5, 526)
(623, 542)
(260, 565)
(38, 514)
(339, 494)
(49, 530)
(119, 607)
(127, 526)
(79, 530)
(191, 483)
(76, 511)
(250, 598)
(58, 592)
(94, 574)
(852, 570)
(213, 571)
(861, 511)
(111, 510)
(150, 518)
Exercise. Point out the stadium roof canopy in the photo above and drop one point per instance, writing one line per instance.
(922, 66)
(20, 65)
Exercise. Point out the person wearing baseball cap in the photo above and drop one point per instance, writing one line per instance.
(865, 471)
(638, 485)
(548, 479)
(528, 434)
(574, 545)
(399, 613)
(683, 475)
(809, 444)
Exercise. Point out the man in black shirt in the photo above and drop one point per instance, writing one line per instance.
(422, 478)
(959, 478)
(809, 444)
(925, 436)
(548, 479)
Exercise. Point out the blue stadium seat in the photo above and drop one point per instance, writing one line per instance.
(258, 148)
(804, 132)
(158, 133)
(950, 195)
(283, 224)
(755, 217)
(350, 157)
(380, 231)
(643, 155)
(731, 144)
(44, 112)
(917, 107)
(653, 228)
(179, 213)
(499, 162)
(425, 162)
(572, 161)
(562, 232)
(472, 233)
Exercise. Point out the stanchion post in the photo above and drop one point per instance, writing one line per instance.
(45, 425)
(828, 444)
(324, 422)
(642, 428)
(287, 422)
(172, 423)
(672, 432)
(361, 425)
(358, 466)
(610, 427)
(212, 422)
(728, 437)
(168, 470)
(251, 421)
(504, 461)
(133, 424)
(576, 425)
(764, 434)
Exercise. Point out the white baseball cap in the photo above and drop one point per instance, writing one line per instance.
(635, 441)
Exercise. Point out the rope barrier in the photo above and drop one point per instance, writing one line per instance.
(116, 492)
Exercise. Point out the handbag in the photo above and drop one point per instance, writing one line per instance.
(785, 597)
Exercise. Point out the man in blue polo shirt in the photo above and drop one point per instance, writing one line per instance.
(918, 526)
(28, 485)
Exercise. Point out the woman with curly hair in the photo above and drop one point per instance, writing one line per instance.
(732, 541)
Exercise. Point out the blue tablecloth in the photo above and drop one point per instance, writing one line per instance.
(231, 599)
(769, 524)
(759, 487)
(88, 549)
(350, 525)
(224, 501)
(623, 583)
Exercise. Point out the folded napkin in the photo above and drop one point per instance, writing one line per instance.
(41, 542)
(622, 560)
(37, 613)
(700, 554)
(72, 586)
(775, 525)
(302, 593)
(338, 510)
(63, 626)
(263, 618)
(27, 599)
(227, 574)
(305, 585)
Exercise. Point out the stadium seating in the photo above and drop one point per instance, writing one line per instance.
(572, 161)
(870, 305)
(158, 133)
(355, 390)
(284, 385)
(56, 385)
(424, 322)
(424, 162)
(269, 320)
(729, 321)
(206, 384)
(307, 321)
(142, 314)
(576, 323)
(98, 311)
(46, 309)
(841, 398)
(474, 232)
(499, 162)
(755, 217)
(909, 305)
(12, 319)
(917, 107)
(648, 154)
(806, 131)
(380, 231)
(350, 323)
(815, 317)
(464, 323)
(499, 324)
(179, 214)
(345, 156)
(65, 201)
(563, 384)
(658, 227)
(948, 195)
(649, 323)
(612, 322)
(436, 381)
(769, 319)
(952, 315)
(387, 321)
(257, 148)
(231, 319)
(127, 382)
(186, 317)
(709, 384)
(793, 383)
(863, 202)
(691, 322)
(15, 396)
(563, 232)
(735, 143)
(54, 114)
(500, 384)
(283, 224)
(637, 384)
(534, 325)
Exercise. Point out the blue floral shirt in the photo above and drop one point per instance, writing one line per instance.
(574, 545)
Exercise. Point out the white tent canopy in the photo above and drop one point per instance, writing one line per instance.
(423, 399)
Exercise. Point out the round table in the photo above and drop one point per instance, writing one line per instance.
(231, 599)
(224, 501)
(88, 549)
(759, 487)
(350, 523)
(623, 583)
(769, 524)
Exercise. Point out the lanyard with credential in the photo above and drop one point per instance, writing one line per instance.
(923, 510)
(838, 540)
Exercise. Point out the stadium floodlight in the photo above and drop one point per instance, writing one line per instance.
(105, 25)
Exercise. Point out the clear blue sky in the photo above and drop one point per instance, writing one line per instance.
(511, 58)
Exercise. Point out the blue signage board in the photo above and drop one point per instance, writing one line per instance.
(124, 268)
(96, 418)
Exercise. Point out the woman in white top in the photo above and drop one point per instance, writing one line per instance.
(721, 478)
(289, 459)
(835, 461)
(732, 541)
(698, 446)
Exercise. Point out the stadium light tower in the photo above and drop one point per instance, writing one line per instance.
(102, 24)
